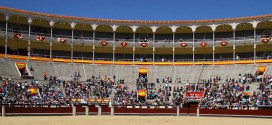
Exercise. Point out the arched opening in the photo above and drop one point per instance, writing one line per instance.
(244, 41)
(203, 43)
(223, 42)
(103, 42)
(17, 42)
(183, 44)
(83, 35)
(164, 44)
(40, 37)
(263, 39)
(124, 43)
(62, 33)
(144, 39)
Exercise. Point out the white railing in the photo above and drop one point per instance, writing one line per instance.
(89, 40)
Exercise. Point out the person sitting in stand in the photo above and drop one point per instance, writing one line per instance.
(78, 73)
(31, 69)
(44, 76)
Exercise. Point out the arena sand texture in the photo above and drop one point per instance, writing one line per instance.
(131, 120)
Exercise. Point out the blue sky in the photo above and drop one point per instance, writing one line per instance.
(146, 9)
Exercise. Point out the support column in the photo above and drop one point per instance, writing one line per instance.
(99, 110)
(3, 111)
(87, 110)
(153, 57)
(6, 37)
(29, 38)
(213, 47)
(51, 37)
(94, 28)
(154, 28)
(254, 24)
(113, 49)
(234, 25)
(74, 110)
(193, 48)
(73, 24)
(178, 111)
(197, 112)
(254, 45)
(134, 28)
(112, 110)
(133, 49)
(114, 27)
(193, 30)
(173, 28)
(234, 42)
(133, 54)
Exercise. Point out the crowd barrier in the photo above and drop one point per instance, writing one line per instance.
(106, 110)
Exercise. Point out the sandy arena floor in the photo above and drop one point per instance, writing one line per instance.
(131, 120)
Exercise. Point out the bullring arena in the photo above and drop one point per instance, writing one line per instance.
(71, 70)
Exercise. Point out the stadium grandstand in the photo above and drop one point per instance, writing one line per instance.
(103, 66)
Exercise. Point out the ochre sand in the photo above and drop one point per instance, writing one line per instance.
(131, 120)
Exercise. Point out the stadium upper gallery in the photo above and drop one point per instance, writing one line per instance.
(99, 66)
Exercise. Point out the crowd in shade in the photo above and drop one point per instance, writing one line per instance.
(216, 91)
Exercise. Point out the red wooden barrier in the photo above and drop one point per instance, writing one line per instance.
(105, 108)
(124, 110)
(187, 110)
(235, 112)
(40, 110)
(80, 109)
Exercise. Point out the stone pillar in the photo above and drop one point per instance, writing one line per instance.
(74, 110)
(94, 28)
(193, 30)
(197, 112)
(6, 37)
(177, 110)
(87, 110)
(112, 110)
(51, 38)
(234, 25)
(254, 24)
(213, 44)
(154, 28)
(173, 28)
(99, 110)
(29, 37)
(73, 25)
(3, 111)
(134, 28)
(114, 27)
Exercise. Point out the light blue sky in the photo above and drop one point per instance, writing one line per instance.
(146, 9)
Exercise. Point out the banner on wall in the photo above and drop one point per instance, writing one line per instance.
(194, 95)
(21, 65)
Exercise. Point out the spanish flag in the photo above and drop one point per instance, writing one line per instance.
(261, 69)
(141, 93)
(21, 65)
(32, 91)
